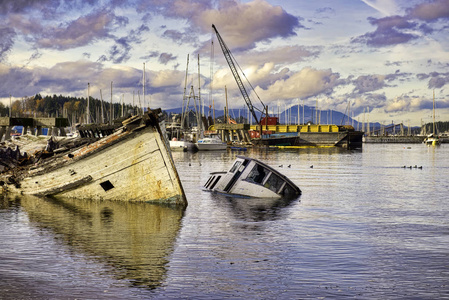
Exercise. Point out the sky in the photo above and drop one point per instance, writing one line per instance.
(382, 59)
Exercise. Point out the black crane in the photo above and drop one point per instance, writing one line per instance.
(228, 55)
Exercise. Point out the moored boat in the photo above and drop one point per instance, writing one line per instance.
(432, 140)
(176, 145)
(131, 164)
(210, 144)
(313, 135)
(252, 178)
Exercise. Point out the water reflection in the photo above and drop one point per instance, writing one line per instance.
(254, 209)
(133, 239)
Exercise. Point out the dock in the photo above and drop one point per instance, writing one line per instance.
(414, 139)
(34, 125)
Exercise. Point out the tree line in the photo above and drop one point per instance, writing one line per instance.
(440, 127)
(73, 108)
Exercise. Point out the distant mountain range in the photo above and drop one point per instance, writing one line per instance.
(290, 116)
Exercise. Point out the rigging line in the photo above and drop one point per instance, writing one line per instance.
(211, 71)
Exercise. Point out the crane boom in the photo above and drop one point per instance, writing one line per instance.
(227, 54)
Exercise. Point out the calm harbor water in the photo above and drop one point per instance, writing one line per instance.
(364, 228)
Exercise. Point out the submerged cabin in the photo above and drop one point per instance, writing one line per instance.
(252, 178)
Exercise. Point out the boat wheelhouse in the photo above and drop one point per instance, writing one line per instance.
(250, 177)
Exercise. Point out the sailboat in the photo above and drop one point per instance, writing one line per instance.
(433, 139)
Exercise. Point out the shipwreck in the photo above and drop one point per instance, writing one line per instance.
(249, 177)
(132, 162)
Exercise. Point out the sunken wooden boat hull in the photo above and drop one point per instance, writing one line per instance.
(132, 164)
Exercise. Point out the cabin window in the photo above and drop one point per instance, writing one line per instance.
(257, 174)
(209, 181)
(235, 166)
(215, 182)
(274, 182)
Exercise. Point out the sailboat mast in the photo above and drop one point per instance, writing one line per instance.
(110, 112)
(183, 112)
(433, 131)
(143, 85)
(199, 87)
(102, 112)
(87, 112)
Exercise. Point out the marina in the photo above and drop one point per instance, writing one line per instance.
(295, 154)
(363, 228)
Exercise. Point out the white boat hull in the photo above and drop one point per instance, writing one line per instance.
(210, 144)
(182, 146)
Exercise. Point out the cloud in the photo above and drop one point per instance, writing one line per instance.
(120, 51)
(66, 77)
(6, 41)
(436, 80)
(280, 55)
(253, 22)
(388, 32)
(21, 6)
(79, 32)
(369, 83)
(324, 11)
(394, 30)
(303, 84)
(431, 11)
(71, 34)
(165, 58)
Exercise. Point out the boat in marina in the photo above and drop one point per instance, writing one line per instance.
(250, 177)
(313, 135)
(433, 139)
(210, 144)
(133, 163)
(176, 145)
